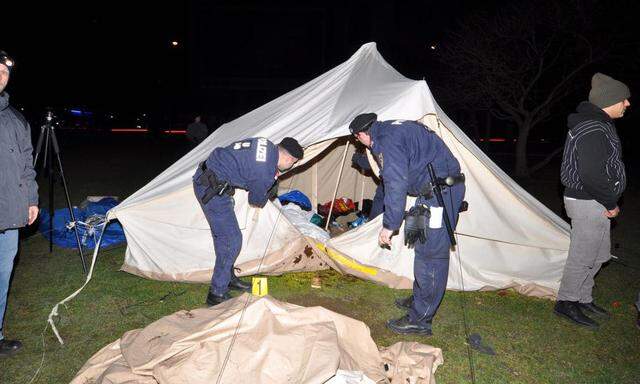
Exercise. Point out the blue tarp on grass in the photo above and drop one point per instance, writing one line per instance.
(66, 238)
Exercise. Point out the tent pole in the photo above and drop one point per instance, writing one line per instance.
(314, 187)
(335, 191)
(362, 176)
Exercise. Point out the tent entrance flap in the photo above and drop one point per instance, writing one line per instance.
(318, 177)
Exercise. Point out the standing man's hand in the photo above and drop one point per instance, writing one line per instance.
(612, 213)
(33, 213)
(385, 237)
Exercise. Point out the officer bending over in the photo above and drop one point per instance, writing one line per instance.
(403, 150)
(253, 165)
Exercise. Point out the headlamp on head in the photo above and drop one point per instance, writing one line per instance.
(6, 60)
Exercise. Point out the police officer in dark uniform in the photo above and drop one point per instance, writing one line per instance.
(404, 150)
(253, 165)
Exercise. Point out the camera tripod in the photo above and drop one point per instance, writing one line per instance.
(51, 149)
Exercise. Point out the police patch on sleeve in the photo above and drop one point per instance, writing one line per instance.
(261, 150)
(242, 145)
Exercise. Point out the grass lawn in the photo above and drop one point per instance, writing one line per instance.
(532, 344)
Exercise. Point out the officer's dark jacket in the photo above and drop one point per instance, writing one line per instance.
(403, 149)
(361, 161)
(18, 188)
(250, 164)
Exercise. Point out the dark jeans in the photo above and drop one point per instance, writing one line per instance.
(8, 250)
(431, 263)
(227, 238)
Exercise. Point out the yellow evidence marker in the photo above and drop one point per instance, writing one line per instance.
(259, 286)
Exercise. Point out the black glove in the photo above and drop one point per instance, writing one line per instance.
(416, 222)
(272, 193)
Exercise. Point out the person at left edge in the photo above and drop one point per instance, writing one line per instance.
(252, 164)
(18, 191)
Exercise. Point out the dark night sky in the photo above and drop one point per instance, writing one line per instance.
(95, 54)
(232, 56)
(118, 54)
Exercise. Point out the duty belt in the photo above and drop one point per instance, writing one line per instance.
(214, 186)
(449, 181)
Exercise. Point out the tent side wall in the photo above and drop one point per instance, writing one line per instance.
(505, 241)
(180, 248)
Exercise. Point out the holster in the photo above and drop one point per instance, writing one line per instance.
(427, 189)
(214, 186)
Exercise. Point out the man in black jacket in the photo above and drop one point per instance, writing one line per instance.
(18, 190)
(594, 178)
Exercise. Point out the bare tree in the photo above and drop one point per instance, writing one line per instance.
(519, 63)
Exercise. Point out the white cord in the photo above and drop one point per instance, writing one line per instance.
(43, 352)
(54, 311)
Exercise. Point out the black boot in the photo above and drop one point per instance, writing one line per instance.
(9, 347)
(595, 309)
(213, 299)
(570, 310)
(238, 285)
(405, 303)
(404, 326)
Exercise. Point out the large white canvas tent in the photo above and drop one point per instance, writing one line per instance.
(506, 239)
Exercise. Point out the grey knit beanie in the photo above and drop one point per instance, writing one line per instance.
(606, 91)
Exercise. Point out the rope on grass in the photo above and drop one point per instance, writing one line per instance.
(463, 302)
(54, 311)
(43, 353)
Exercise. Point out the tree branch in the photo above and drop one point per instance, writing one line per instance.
(546, 160)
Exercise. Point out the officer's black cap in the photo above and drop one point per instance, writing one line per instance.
(362, 122)
(292, 146)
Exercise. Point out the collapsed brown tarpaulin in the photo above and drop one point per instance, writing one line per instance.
(276, 342)
(412, 362)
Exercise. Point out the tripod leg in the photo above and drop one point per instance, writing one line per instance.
(39, 145)
(56, 149)
(48, 163)
(46, 157)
